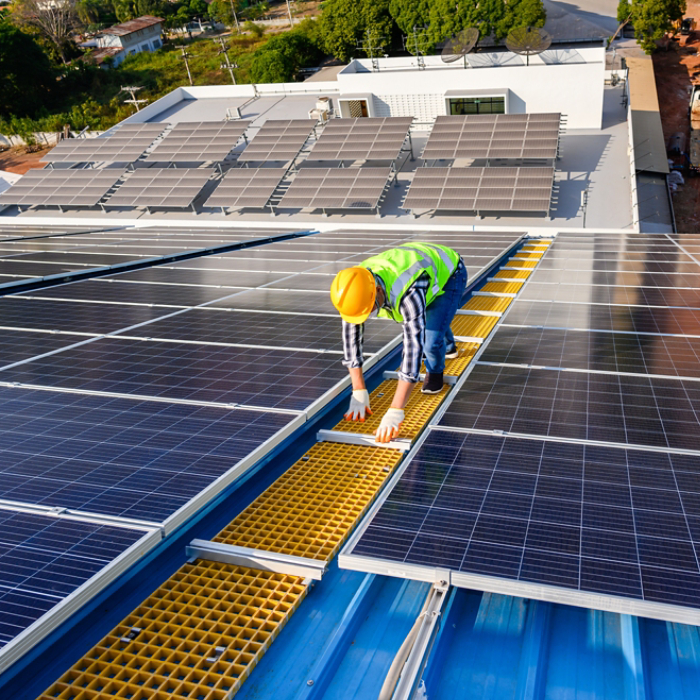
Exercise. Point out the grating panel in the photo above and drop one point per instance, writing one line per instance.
(502, 287)
(311, 509)
(487, 304)
(512, 274)
(456, 366)
(473, 326)
(198, 636)
(418, 411)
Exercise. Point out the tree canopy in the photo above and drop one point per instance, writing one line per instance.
(653, 18)
(26, 75)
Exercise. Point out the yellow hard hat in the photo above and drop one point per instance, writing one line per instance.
(353, 292)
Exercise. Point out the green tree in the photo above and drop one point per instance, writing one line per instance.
(198, 8)
(26, 75)
(270, 67)
(624, 10)
(653, 18)
(344, 23)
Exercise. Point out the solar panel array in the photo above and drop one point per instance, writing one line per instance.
(128, 144)
(566, 466)
(161, 187)
(198, 142)
(369, 138)
(492, 136)
(337, 188)
(246, 187)
(69, 188)
(278, 140)
(481, 189)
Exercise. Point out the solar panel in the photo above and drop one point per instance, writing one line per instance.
(128, 144)
(339, 188)
(198, 142)
(120, 457)
(601, 527)
(481, 189)
(509, 136)
(278, 140)
(246, 187)
(16, 346)
(361, 139)
(263, 329)
(44, 559)
(267, 378)
(161, 187)
(600, 352)
(69, 188)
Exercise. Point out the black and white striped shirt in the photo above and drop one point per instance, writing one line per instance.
(412, 308)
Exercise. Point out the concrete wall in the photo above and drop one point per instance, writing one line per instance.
(574, 89)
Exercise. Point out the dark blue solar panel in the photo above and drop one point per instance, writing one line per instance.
(637, 319)
(131, 458)
(619, 522)
(257, 377)
(43, 559)
(21, 345)
(45, 314)
(603, 407)
(604, 352)
(270, 330)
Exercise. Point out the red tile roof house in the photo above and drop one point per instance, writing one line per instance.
(141, 34)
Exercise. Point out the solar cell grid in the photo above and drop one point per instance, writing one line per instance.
(576, 517)
(609, 294)
(270, 330)
(121, 457)
(81, 188)
(622, 409)
(44, 559)
(246, 187)
(254, 377)
(497, 189)
(161, 187)
(278, 140)
(638, 319)
(361, 139)
(125, 146)
(337, 188)
(602, 352)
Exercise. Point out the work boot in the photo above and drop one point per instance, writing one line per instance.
(452, 354)
(432, 383)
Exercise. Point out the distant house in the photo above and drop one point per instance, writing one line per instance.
(141, 34)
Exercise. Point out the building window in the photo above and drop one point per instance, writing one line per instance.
(156, 44)
(478, 105)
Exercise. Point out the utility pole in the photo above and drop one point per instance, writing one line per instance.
(227, 65)
(289, 9)
(132, 90)
(235, 17)
(373, 48)
(186, 56)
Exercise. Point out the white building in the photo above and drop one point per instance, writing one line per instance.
(141, 34)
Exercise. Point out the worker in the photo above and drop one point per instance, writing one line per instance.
(419, 285)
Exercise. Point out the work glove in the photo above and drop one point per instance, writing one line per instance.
(359, 406)
(389, 427)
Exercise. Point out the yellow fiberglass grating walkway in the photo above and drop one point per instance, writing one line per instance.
(502, 287)
(499, 304)
(519, 263)
(456, 366)
(512, 274)
(473, 326)
(312, 508)
(419, 409)
(197, 637)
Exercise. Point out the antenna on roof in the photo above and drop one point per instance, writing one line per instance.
(528, 41)
(373, 47)
(460, 45)
(415, 43)
(132, 90)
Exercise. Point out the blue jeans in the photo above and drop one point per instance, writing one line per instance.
(438, 317)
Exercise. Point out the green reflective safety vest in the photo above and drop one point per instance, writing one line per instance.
(400, 267)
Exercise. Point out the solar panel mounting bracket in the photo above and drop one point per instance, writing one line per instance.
(402, 444)
(257, 559)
